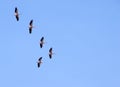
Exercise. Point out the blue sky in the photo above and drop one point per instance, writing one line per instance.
(84, 34)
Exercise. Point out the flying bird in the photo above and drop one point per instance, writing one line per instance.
(41, 42)
(16, 14)
(39, 62)
(30, 26)
(50, 53)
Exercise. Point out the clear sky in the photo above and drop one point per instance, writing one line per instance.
(84, 34)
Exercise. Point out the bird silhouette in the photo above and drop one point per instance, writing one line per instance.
(30, 26)
(16, 14)
(39, 62)
(41, 42)
(50, 53)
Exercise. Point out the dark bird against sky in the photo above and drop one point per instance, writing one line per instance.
(50, 53)
(39, 62)
(41, 42)
(30, 26)
(16, 14)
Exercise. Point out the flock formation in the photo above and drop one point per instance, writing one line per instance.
(41, 40)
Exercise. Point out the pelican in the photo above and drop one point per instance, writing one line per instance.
(16, 14)
(50, 53)
(39, 62)
(30, 26)
(41, 42)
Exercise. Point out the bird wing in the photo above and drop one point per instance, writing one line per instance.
(42, 39)
(40, 59)
(31, 22)
(50, 50)
(16, 10)
(30, 30)
(50, 56)
(17, 17)
(38, 65)
(41, 45)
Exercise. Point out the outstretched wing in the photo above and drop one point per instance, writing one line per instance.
(30, 30)
(31, 22)
(16, 10)
(50, 50)
(17, 17)
(41, 45)
(50, 56)
(38, 64)
(40, 59)
(42, 39)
